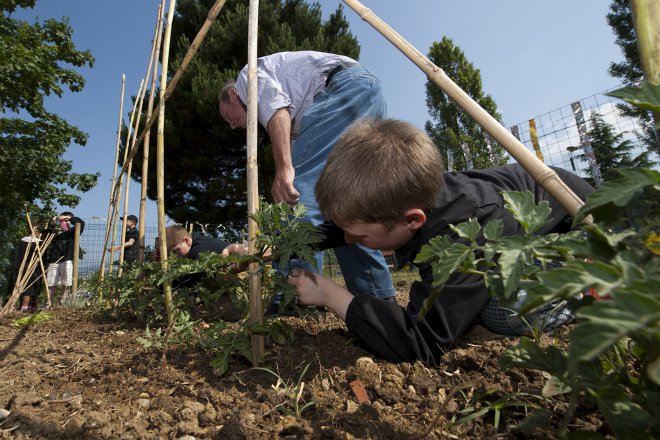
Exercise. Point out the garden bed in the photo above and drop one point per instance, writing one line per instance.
(79, 375)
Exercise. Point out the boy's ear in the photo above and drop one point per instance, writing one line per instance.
(414, 218)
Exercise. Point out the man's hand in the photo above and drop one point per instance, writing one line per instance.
(283, 189)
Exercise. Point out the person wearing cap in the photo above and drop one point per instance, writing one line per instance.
(130, 243)
(306, 100)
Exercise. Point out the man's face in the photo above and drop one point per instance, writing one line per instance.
(183, 247)
(376, 236)
(233, 111)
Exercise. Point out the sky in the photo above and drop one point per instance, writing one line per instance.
(534, 57)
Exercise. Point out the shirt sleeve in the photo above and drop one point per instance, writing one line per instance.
(398, 335)
(271, 94)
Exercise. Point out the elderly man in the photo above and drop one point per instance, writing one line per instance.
(306, 100)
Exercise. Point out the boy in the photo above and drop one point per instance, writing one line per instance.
(60, 253)
(401, 201)
(130, 243)
(186, 245)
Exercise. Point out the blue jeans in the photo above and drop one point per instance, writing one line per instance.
(353, 94)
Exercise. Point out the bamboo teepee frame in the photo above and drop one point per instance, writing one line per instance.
(544, 175)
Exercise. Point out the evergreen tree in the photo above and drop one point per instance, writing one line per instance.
(34, 60)
(205, 161)
(462, 142)
(611, 150)
(620, 19)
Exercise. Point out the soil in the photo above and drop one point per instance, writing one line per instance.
(82, 375)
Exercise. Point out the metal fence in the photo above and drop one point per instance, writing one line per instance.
(559, 136)
(92, 240)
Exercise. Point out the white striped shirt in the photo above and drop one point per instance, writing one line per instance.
(289, 80)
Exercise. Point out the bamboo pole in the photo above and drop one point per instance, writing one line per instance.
(122, 178)
(254, 282)
(646, 14)
(145, 147)
(160, 167)
(199, 38)
(76, 261)
(114, 181)
(544, 175)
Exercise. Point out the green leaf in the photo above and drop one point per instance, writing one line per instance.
(513, 256)
(653, 370)
(646, 96)
(493, 230)
(537, 419)
(555, 386)
(608, 321)
(617, 193)
(530, 215)
(627, 419)
(448, 262)
(468, 230)
(528, 354)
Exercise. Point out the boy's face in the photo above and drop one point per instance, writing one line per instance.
(130, 224)
(376, 236)
(183, 247)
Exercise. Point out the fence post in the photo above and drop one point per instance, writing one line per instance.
(76, 255)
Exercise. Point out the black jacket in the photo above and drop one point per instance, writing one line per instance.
(397, 334)
(62, 247)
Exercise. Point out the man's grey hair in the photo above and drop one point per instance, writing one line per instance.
(223, 96)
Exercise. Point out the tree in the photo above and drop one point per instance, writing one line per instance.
(611, 150)
(462, 142)
(630, 71)
(33, 65)
(205, 175)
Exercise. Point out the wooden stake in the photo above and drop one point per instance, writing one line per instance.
(114, 182)
(76, 261)
(544, 175)
(160, 167)
(145, 147)
(254, 283)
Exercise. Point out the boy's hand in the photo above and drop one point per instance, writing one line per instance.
(235, 249)
(316, 290)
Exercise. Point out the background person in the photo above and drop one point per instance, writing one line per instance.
(60, 254)
(306, 100)
(130, 243)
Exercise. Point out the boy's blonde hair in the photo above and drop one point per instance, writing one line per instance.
(174, 235)
(377, 171)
